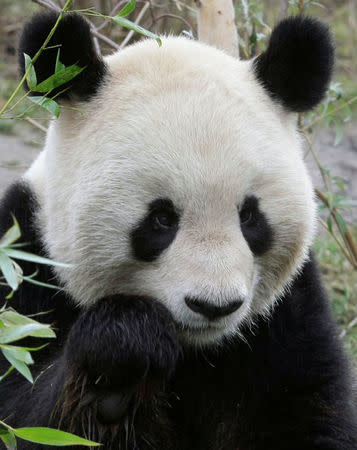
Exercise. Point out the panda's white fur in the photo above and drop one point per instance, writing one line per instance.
(188, 122)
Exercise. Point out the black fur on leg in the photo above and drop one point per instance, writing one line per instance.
(297, 66)
(72, 37)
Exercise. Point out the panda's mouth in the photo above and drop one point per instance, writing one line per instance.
(201, 333)
(202, 328)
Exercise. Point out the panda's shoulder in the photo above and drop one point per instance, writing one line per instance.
(306, 296)
(303, 322)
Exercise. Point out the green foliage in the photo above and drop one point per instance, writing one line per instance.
(121, 19)
(128, 9)
(302, 7)
(47, 103)
(341, 282)
(41, 435)
(126, 23)
(12, 274)
(8, 438)
(13, 328)
(253, 30)
(334, 112)
(62, 74)
(31, 77)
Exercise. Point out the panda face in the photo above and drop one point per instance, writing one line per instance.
(182, 181)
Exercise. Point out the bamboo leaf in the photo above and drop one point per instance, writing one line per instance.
(339, 130)
(330, 199)
(341, 185)
(17, 332)
(11, 235)
(9, 370)
(42, 435)
(59, 78)
(10, 295)
(19, 353)
(128, 8)
(40, 283)
(31, 78)
(25, 256)
(123, 22)
(11, 317)
(340, 220)
(329, 224)
(59, 66)
(35, 349)
(8, 438)
(20, 366)
(47, 103)
(8, 270)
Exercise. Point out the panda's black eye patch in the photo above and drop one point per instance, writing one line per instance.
(255, 226)
(156, 231)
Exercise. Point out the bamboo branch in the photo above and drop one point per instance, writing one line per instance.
(36, 124)
(351, 256)
(96, 35)
(318, 119)
(349, 326)
(342, 248)
(350, 249)
(174, 16)
(116, 8)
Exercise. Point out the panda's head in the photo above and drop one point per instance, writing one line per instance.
(177, 172)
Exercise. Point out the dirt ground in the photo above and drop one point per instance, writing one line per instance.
(16, 156)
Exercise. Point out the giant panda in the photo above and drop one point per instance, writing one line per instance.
(191, 315)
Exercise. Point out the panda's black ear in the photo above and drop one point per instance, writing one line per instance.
(297, 66)
(74, 40)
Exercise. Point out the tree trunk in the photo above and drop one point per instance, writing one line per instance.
(216, 25)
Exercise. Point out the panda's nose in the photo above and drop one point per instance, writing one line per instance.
(210, 311)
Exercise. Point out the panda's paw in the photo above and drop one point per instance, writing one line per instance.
(124, 347)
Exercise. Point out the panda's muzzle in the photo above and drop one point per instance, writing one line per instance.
(210, 311)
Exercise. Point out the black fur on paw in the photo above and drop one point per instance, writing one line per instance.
(113, 406)
(122, 340)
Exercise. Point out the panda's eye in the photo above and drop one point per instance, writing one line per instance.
(248, 211)
(245, 215)
(163, 215)
(164, 220)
